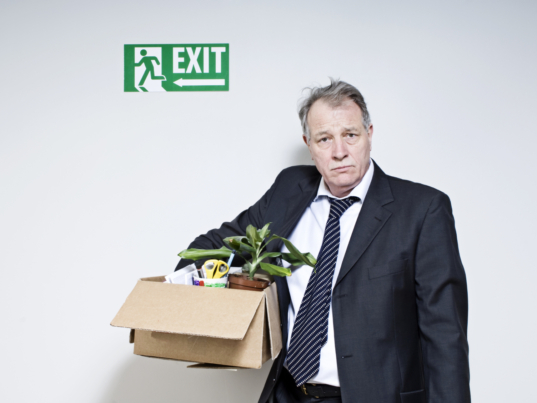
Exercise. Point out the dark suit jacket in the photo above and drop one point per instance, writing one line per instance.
(399, 303)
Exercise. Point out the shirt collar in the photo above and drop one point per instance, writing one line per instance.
(359, 191)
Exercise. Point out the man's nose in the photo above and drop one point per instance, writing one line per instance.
(339, 149)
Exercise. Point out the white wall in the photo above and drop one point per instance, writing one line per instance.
(100, 187)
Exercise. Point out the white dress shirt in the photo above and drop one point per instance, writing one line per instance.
(308, 237)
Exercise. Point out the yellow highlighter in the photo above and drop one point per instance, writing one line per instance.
(215, 268)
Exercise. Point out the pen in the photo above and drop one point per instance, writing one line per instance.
(230, 260)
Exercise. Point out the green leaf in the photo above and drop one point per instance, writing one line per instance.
(310, 258)
(197, 254)
(275, 270)
(238, 245)
(269, 254)
(295, 261)
(264, 232)
(253, 236)
(269, 240)
(289, 258)
(247, 248)
(264, 256)
(240, 238)
(306, 258)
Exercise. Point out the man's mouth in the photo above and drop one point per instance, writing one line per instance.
(342, 168)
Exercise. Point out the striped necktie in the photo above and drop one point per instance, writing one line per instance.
(310, 331)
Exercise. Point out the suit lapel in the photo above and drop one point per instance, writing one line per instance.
(297, 202)
(372, 218)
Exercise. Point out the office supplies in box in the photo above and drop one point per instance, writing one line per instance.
(182, 276)
(232, 328)
(189, 276)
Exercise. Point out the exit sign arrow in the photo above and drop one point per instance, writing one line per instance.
(198, 82)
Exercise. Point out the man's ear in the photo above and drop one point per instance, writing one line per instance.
(370, 135)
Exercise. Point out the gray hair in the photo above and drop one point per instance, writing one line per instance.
(334, 94)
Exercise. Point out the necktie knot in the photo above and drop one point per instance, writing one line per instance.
(339, 206)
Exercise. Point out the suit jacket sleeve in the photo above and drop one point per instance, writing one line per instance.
(442, 302)
(214, 238)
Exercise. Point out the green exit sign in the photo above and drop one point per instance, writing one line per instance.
(182, 67)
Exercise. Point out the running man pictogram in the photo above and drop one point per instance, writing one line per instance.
(149, 67)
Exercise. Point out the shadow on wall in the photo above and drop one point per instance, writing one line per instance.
(300, 155)
(144, 379)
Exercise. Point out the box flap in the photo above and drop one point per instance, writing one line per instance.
(273, 315)
(185, 309)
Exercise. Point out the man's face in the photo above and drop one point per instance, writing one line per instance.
(339, 144)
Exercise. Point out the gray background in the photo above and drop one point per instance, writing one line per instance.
(100, 187)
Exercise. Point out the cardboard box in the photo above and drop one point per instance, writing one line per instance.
(232, 328)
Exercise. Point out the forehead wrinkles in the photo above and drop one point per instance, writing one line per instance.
(324, 119)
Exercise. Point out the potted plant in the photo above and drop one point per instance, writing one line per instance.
(251, 247)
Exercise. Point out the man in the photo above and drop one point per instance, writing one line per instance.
(383, 316)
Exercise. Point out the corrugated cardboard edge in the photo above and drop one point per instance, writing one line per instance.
(274, 320)
(127, 315)
(265, 337)
(156, 279)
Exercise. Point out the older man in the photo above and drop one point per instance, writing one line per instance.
(383, 317)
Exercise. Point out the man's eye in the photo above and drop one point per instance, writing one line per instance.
(351, 135)
(324, 140)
